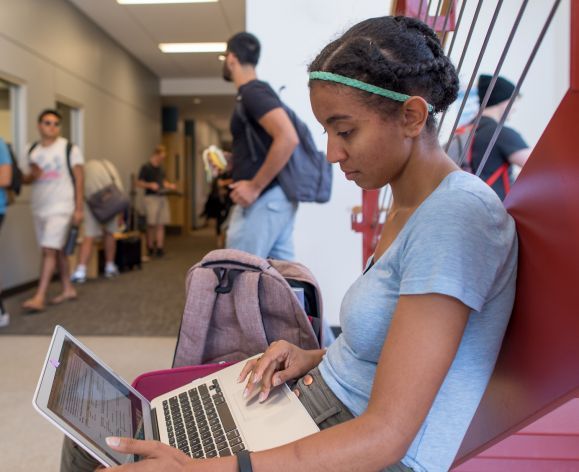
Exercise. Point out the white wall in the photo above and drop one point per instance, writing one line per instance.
(293, 32)
(56, 53)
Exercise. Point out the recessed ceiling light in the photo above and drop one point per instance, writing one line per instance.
(196, 101)
(153, 2)
(192, 47)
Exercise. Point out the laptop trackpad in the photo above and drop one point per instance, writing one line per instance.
(251, 409)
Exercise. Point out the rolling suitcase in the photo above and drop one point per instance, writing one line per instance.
(128, 253)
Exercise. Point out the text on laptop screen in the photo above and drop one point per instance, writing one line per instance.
(94, 402)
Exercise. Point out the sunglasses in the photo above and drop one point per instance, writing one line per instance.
(50, 123)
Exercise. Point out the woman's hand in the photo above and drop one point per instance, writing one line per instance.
(281, 361)
(156, 456)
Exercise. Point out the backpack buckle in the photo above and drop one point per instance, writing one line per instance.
(225, 278)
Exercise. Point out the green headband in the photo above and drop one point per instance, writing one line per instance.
(340, 79)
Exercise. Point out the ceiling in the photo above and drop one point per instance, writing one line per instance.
(140, 28)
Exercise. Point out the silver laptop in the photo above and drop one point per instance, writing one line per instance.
(84, 398)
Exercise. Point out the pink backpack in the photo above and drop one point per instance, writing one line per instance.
(238, 303)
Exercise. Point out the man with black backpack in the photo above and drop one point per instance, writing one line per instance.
(5, 181)
(509, 148)
(263, 217)
(56, 175)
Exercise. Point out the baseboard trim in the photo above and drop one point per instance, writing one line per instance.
(18, 289)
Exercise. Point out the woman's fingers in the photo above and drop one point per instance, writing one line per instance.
(156, 456)
(261, 365)
(134, 446)
(284, 375)
(266, 382)
(264, 373)
(247, 369)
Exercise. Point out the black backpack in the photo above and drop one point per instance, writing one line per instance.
(15, 185)
(456, 149)
(307, 176)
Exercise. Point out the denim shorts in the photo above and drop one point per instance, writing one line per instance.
(325, 408)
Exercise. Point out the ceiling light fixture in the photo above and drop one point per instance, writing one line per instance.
(192, 47)
(153, 2)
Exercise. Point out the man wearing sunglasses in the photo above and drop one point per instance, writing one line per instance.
(56, 175)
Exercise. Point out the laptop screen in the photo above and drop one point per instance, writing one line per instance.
(93, 402)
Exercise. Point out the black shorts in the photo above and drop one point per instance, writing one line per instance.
(1, 219)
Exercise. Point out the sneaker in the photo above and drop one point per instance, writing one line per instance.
(111, 272)
(4, 320)
(78, 277)
(160, 252)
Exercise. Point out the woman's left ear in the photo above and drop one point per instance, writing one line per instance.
(415, 111)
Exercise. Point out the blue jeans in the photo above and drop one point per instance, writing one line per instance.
(265, 228)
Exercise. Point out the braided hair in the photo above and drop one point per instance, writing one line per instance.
(397, 53)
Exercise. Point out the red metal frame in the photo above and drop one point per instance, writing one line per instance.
(536, 371)
(412, 9)
(366, 220)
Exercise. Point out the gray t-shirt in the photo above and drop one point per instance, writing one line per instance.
(459, 242)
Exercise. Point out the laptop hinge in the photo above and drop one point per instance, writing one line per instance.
(154, 424)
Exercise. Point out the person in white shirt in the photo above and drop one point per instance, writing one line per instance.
(57, 202)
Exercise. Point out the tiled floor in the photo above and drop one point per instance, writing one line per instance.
(27, 441)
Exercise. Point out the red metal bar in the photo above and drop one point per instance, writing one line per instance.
(412, 9)
(574, 80)
(366, 220)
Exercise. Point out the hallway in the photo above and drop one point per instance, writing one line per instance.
(146, 302)
(130, 323)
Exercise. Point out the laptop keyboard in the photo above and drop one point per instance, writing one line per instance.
(200, 424)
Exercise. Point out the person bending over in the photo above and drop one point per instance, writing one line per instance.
(98, 175)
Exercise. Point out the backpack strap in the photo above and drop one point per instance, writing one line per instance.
(68, 151)
(16, 181)
(69, 146)
(248, 311)
(31, 148)
(198, 312)
(106, 167)
(507, 181)
(250, 132)
(503, 171)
